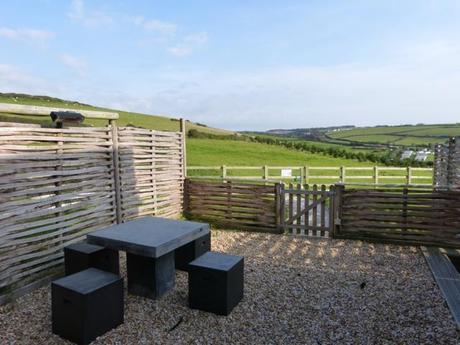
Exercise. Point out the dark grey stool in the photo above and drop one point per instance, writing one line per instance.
(190, 251)
(82, 255)
(86, 305)
(216, 282)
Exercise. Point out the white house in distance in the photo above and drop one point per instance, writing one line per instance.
(407, 154)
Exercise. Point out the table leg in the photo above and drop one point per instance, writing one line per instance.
(150, 277)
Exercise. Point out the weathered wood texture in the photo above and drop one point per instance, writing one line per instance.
(151, 172)
(240, 205)
(317, 175)
(402, 215)
(446, 171)
(56, 185)
(307, 210)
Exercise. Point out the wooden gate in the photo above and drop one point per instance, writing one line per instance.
(307, 210)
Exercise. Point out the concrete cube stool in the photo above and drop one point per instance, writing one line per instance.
(82, 255)
(216, 282)
(86, 305)
(190, 251)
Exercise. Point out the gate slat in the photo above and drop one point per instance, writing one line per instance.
(299, 210)
(315, 210)
(323, 209)
(307, 213)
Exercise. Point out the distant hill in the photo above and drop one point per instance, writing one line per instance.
(405, 135)
(157, 122)
(378, 136)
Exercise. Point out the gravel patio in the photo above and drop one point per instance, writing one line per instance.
(297, 291)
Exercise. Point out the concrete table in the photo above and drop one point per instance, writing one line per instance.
(149, 243)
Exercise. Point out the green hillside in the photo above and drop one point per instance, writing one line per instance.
(126, 118)
(408, 135)
(212, 152)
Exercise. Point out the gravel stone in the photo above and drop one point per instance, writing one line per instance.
(298, 290)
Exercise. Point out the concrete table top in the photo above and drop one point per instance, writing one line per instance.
(148, 236)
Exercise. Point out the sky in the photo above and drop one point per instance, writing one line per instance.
(241, 64)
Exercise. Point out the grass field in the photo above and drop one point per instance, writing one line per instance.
(399, 135)
(215, 153)
(210, 152)
(126, 118)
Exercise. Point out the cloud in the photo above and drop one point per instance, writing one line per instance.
(89, 18)
(14, 79)
(154, 25)
(77, 64)
(26, 35)
(188, 44)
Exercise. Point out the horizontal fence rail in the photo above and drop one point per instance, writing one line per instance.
(239, 205)
(402, 215)
(317, 175)
(56, 185)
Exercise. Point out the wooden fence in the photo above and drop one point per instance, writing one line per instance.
(240, 205)
(307, 210)
(375, 175)
(59, 184)
(402, 215)
(447, 165)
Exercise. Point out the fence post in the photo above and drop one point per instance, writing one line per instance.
(409, 175)
(116, 170)
(376, 175)
(184, 147)
(186, 205)
(279, 207)
(265, 172)
(337, 211)
(223, 170)
(342, 174)
(305, 174)
(404, 208)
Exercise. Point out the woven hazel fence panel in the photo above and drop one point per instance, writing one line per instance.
(237, 204)
(151, 173)
(56, 185)
(409, 216)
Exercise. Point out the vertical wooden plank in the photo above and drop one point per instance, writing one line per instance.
(337, 214)
(229, 201)
(278, 208)
(404, 209)
(409, 176)
(315, 210)
(376, 175)
(299, 209)
(265, 173)
(307, 213)
(306, 174)
(323, 209)
(223, 172)
(187, 207)
(283, 207)
(291, 205)
(152, 174)
(116, 171)
(332, 210)
(342, 174)
(183, 131)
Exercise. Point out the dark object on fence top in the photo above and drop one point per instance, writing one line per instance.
(61, 118)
